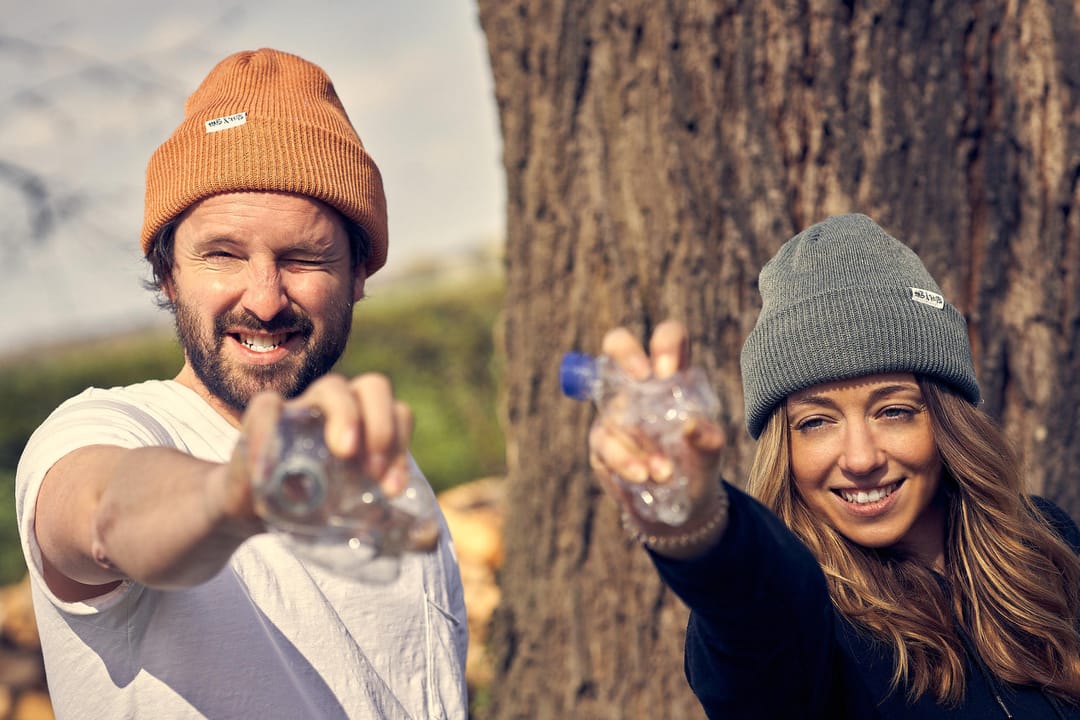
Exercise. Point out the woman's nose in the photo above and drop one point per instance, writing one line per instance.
(861, 453)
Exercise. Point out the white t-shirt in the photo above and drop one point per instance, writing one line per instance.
(268, 637)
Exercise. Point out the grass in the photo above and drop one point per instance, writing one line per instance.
(433, 339)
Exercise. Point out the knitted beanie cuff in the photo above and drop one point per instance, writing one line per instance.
(850, 333)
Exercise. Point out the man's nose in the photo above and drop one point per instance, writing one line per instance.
(265, 294)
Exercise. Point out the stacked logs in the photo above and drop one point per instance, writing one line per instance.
(474, 512)
(23, 695)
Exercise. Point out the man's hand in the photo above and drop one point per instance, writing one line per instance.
(364, 423)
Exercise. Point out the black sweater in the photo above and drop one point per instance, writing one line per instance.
(764, 640)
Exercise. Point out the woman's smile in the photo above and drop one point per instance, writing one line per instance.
(869, 501)
(863, 457)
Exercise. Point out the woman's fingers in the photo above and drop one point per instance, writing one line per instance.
(626, 350)
(614, 450)
(636, 458)
(704, 435)
(669, 348)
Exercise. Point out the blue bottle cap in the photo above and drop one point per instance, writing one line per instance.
(578, 374)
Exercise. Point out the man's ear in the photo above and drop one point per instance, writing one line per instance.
(168, 288)
(359, 279)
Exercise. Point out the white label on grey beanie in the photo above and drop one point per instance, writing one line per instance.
(927, 297)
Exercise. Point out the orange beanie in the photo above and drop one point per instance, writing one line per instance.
(266, 120)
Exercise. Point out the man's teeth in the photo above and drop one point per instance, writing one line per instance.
(262, 343)
(861, 497)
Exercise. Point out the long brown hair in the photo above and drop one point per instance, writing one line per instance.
(1010, 581)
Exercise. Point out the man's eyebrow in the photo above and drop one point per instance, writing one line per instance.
(216, 239)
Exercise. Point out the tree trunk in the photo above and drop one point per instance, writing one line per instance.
(657, 154)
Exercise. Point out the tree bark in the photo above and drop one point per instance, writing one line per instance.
(656, 155)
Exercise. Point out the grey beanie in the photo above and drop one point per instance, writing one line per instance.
(843, 299)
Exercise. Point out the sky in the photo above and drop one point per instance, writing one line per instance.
(88, 90)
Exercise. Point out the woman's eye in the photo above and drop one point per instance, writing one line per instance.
(897, 413)
(809, 424)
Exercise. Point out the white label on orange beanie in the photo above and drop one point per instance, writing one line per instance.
(224, 123)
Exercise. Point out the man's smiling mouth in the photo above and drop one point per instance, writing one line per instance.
(262, 343)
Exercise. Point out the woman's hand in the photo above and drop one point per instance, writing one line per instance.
(621, 452)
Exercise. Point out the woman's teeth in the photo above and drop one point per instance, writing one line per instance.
(862, 497)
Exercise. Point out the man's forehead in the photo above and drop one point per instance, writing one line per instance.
(278, 221)
(260, 199)
(257, 208)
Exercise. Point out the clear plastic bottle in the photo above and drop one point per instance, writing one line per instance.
(659, 408)
(333, 515)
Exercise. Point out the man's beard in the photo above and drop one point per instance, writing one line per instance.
(236, 385)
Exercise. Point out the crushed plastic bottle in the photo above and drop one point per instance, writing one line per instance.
(330, 514)
(659, 408)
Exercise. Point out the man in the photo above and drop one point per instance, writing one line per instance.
(157, 591)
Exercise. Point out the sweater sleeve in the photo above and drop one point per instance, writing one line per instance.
(1060, 521)
(761, 637)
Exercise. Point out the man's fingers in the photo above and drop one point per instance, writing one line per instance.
(332, 396)
(363, 420)
(385, 424)
(396, 476)
(257, 426)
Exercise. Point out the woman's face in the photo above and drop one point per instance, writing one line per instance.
(863, 458)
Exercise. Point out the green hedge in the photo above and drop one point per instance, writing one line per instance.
(434, 340)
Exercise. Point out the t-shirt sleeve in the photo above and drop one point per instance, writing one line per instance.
(82, 421)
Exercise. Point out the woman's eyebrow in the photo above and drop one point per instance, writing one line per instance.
(876, 394)
(887, 390)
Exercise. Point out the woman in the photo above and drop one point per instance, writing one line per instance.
(889, 563)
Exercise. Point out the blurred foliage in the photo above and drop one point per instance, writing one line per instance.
(12, 566)
(433, 339)
(437, 346)
(32, 385)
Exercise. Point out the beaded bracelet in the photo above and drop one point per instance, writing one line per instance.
(661, 543)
